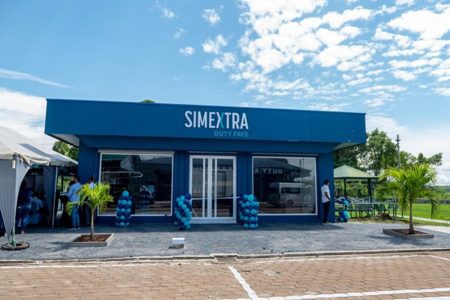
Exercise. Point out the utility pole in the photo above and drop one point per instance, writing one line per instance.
(398, 150)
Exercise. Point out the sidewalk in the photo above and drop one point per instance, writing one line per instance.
(429, 220)
(144, 240)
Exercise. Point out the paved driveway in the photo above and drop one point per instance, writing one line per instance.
(399, 276)
(154, 240)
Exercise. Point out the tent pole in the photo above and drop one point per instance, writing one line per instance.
(345, 187)
(54, 197)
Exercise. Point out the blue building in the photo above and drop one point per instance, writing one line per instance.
(161, 151)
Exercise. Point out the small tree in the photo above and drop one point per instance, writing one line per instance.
(95, 198)
(410, 183)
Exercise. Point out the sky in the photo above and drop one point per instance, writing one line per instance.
(388, 59)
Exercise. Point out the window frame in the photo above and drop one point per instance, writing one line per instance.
(316, 208)
(137, 152)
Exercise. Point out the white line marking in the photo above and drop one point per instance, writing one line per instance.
(427, 298)
(250, 292)
(360, 294)
(440, 257)
(339, 258)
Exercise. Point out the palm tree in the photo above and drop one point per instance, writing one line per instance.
(410, 183)
(95, 198)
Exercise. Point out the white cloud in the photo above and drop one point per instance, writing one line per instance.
(334, 55)
(404, 75)
(211, 16)
(403, 2)
(389, 88)
(266, 16)
(187, 51)
(336, 20)
(25, 114)
(428, 24)
(179, 33)
(10, 74)
(444, 91)
(165, 12)
(214, 45)
(227, 60)
(328, 106)
(359, 81)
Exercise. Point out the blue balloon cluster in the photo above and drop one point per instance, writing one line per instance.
(123, 210)
(248, 211)
(344, 215)
(183, 212)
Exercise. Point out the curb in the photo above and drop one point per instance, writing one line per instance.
(217, 257)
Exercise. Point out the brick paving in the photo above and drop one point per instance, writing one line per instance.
(208, 279)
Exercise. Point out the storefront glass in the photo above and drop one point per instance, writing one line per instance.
(147, 177)
(285, 185)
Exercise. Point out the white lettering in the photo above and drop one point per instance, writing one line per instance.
(227, 115)
(235, 120)
(244, 123)
(202, 119)
(187, 115)
(211, 120)
(216, 120)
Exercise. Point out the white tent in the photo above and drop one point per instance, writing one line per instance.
(17, 155)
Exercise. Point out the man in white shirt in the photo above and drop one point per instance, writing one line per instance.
(325, 190)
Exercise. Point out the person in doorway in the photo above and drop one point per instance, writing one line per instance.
(73, 196)
(325, 190)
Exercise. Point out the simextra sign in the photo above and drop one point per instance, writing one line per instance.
(225, 124)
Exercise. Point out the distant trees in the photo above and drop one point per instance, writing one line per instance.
(379, 154)
(66, 149)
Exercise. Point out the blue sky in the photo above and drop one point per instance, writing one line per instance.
(390, 59)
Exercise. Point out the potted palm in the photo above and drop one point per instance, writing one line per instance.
(408, 184)
(96, 198)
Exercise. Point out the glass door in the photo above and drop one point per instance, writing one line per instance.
(213, 189)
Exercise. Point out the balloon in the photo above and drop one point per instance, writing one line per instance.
(246, 225)
(253, 212)
(125, 194)
(251, 198)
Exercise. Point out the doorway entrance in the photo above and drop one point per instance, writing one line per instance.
(212, 184)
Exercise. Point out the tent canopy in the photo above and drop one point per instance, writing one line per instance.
(13, 144)
(17, 154)
(346, 172)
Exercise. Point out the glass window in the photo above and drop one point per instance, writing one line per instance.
(147, 177)
(285, 185)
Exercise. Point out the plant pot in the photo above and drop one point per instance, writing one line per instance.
(101, 240)
(404, 233)
(18, 246)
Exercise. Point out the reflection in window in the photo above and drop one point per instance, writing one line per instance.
(148, 178)
(285, 185)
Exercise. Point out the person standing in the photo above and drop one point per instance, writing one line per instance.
(325, 190)
(73, 196)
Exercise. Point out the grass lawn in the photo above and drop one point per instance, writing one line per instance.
(424, 210)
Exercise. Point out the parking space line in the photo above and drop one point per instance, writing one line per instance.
(359, 294)
(440, 257)
(250, 292)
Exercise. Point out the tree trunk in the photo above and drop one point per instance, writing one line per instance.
(411, 223)
(92, 223)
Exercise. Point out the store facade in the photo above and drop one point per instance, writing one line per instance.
(161, 151)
